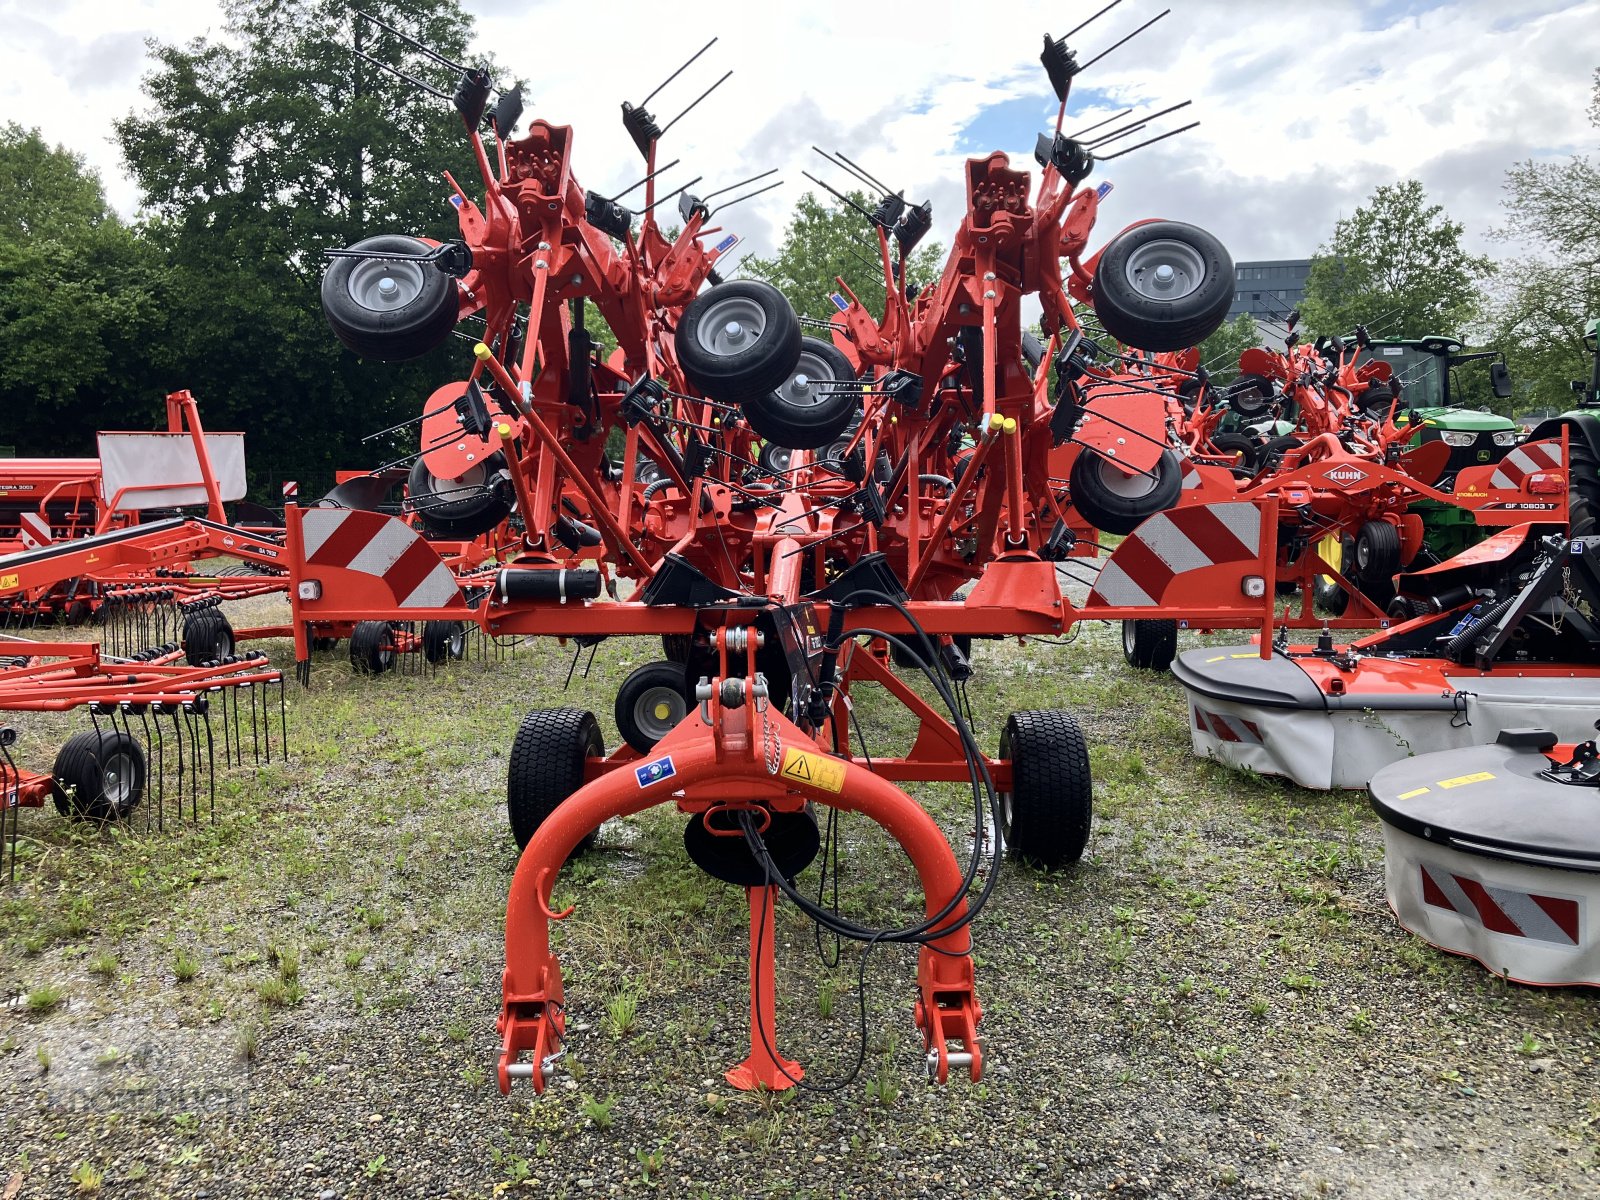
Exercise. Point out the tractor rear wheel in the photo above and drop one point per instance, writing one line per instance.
(386, 309)
(99, 776)
(1045, 817)
(547, 764)
(1583, 496)
(651, 702)
(1114, 501)
(1150, 645)
(738, 340)
(1163, 286)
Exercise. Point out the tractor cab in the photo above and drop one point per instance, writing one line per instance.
(1430, 390)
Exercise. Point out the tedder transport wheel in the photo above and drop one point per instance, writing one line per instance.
(372, 647)
(207, 636)
(1249, 453)
(1114, 501)
(650, 703)
(1377, 559)
(547, 760)
(99, 776)
(444, 641)
(459, 508)
(811, 407)
(1045, 816)
(1150, 645)
(385, 309)
(1163, 286)
(738, 340)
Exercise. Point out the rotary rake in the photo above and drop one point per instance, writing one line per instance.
(151, 748)
(916, 465)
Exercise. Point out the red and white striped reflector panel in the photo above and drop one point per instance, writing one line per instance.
(1172, 543)
(1553, 919)
(373, 544)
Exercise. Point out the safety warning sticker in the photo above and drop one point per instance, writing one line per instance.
(815, 770)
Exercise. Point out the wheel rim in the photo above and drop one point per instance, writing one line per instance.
(803, 388)
(1363, 553)
(1128, 638)
(1165, 269)
(116, 779)
(456, 646)
(730, 326)
(383, 286)
(780, 457)
(1128, 487)
(646, 471)
(658, 710)
(472, 477)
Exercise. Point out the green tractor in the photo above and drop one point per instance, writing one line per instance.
(1431, 398)
(1583, 440)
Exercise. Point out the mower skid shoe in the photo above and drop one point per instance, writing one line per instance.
(537, 1026)
(947, 1014)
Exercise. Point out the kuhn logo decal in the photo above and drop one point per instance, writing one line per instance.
(1346, 476)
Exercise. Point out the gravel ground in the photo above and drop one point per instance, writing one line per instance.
(1215, 1002)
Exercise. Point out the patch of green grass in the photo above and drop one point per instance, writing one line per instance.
(185, 966)
(598, 1112)
(104, 964)
(45, 997)
(280, 993)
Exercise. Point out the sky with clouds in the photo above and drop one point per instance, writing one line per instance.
(1304, 106)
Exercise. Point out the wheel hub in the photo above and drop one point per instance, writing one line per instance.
(1165, 269)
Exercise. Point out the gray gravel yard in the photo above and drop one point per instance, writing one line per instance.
(299, 998)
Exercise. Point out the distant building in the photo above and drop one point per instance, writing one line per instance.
(1269, 290)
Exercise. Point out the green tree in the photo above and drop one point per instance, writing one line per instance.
(828, 241)
(1543, 298)
(1396, 265)
(80, 301)
(1220, 352)
(255, 155)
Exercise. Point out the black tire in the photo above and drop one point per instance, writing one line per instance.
(1375, 401)
(1249, 452)
(1114, 502)
(800, 414)
(459, 508)
(79, 612)
(324, 645)
(372, 649)
(1150, 645)
(1583, 495)
(99, 776)
(207, 637)
(444, 641)
(1407, 608)
(355, 301)
(1132, 305)
(1045, 818)
(1273, 450)
(1377, 554)
(1326, 593)
(730, 371)
(547, 760)
(650, 703)
(775, 458)
(1250, 395)
(676, 647)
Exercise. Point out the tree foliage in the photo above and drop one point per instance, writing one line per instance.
(824, 242)
(1543, 298)
(255, 155)
(1220, 352)
(1396, 264)
(80, 301)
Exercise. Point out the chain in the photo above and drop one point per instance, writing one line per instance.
(769, 737)
(1557, 618)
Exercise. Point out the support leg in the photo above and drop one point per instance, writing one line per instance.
(764, 1068)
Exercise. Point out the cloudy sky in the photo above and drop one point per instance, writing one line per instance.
(1304, 106)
